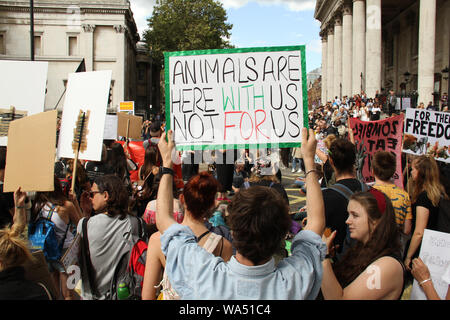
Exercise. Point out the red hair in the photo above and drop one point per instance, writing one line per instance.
(200, 193)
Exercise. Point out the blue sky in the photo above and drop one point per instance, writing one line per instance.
(261, 23)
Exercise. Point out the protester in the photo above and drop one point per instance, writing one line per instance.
(239, 176)
(107, 231)
(422, 274)
(97, 168)
(251, 273)
(372, 224)
(14, 253)
(198, 199)
(383, 169)
(342, 157)
(297, 158)
(55, 206)
(426, 192)
(117, 164)
(143, 191)
(264, 174)
(224, 169)
(6, 198)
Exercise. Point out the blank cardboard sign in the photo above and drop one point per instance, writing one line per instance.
(131, 130)
(30, 158)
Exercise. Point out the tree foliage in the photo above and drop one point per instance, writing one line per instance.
(180, 25)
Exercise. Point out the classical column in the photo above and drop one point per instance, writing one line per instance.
(359, 45)
(337, 57)
(347, 47)
(330, 64)
(324, 69)
(427, 49)
(119, 83)
(88, 51)
(373, 47)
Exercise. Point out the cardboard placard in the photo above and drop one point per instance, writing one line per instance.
(29, 161)
(236, 98)
(129, 126)
(86, 91)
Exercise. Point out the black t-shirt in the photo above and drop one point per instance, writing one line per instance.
(95, 169)
(336, 210)
(14, 286)
(424, 201)
(6, 204)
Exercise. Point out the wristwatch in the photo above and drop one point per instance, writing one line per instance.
(165, 170)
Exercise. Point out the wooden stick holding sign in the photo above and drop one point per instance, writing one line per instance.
(79, 141)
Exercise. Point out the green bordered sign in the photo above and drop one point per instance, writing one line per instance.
(236, 98)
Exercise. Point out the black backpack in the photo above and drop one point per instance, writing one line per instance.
(443, 220)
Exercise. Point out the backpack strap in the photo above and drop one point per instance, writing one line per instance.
(342, 190)
(86, 258)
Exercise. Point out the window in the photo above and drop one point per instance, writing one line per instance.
(37, 46)
(2, 44)
(73, 46)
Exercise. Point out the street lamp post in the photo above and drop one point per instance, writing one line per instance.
(32, 29)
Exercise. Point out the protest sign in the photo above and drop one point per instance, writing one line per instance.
(88, 92)
(129, 126)
(236, 98)
(22, 86)
(110, 132)
(381, 135)
(71, 256)
(30, 162)
(427, 132)
(435, 253)
(126, 106)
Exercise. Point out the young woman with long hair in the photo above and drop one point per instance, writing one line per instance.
(426, 191)
(375, 261)
(65, 215)
(198, 199)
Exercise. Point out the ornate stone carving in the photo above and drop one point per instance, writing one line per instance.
(120, 28)
(88, 27)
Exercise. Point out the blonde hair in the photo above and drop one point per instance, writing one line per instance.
(13, 249)
(329, 140)
(427, 180)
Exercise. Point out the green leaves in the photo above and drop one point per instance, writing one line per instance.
(181, 25)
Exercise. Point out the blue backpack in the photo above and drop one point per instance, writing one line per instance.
(42, 236)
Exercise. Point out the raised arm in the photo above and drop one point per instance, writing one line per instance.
(164, 205)
(20, 216)
(314, 199)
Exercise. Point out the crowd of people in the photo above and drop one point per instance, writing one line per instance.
(222, 233)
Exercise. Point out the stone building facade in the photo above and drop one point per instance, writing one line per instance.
(103, 32)
(375, 45)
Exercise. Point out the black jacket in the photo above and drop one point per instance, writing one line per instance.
(14, 286)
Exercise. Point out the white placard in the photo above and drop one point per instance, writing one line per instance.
(427, 132)
(111, 124)
(22, 85)
(236, 97)
(435, 253)
(85, 91)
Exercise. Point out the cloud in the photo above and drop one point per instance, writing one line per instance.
(293, 5)
(142, 10)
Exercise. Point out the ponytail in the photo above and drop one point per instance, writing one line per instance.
(13, 249)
